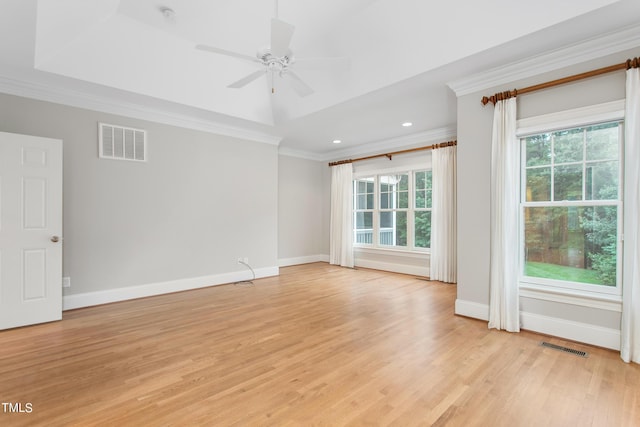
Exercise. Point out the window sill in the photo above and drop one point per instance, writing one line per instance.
(568, 296)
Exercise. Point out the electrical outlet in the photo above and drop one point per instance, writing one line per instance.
(239, 260)
(246, 260)
(66, 282)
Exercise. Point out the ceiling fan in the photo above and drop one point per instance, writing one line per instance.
(276, 60)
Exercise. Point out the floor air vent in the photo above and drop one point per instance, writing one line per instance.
(564, 349)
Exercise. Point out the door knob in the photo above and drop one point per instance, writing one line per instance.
(55, 239)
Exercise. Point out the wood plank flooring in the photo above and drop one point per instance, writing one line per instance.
(317, 346)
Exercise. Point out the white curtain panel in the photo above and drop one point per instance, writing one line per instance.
(444, 260)
(505, 165)
(630, 333)
(341, 239)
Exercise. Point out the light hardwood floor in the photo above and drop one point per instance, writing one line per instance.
(318, 345)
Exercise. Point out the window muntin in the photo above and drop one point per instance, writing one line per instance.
(393, 210)
(571, 207)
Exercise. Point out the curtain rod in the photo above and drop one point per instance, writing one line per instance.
(390, 155)
(629, 63)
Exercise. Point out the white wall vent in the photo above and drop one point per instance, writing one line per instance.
(122, 143)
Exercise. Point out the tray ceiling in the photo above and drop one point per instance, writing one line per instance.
(401, 55)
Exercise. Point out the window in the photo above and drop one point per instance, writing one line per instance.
(423, 209)
(393, 210)
(394, 205)
(364, 207)
(571, 207)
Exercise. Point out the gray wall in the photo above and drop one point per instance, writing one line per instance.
(302, 198)
(474, 172)
(200, 202)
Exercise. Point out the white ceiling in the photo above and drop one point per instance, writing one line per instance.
(402, 54)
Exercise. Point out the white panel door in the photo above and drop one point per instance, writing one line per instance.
(30, 230)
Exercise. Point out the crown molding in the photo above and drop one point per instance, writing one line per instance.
(597, 47)
(89, 101)
(302, 154)
(394, 144)
(432, 136)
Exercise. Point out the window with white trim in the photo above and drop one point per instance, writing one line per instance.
(571, 207)
(393, 210)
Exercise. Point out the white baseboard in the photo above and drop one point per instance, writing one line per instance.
(575, 331)
(562, 328)
(70, 302)
(415, 270)
(286, 262)
(472, 309)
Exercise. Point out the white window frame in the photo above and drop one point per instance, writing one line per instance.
(375, 175)
(598, 296)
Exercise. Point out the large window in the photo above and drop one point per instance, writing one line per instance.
(571, 207)
(393, 210)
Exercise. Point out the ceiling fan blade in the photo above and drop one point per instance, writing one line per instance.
(301, 88)
(227, 53)
(248, 79)
(281, 34)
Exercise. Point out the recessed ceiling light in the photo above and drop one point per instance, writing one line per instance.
(337, 141)
(407, 124)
